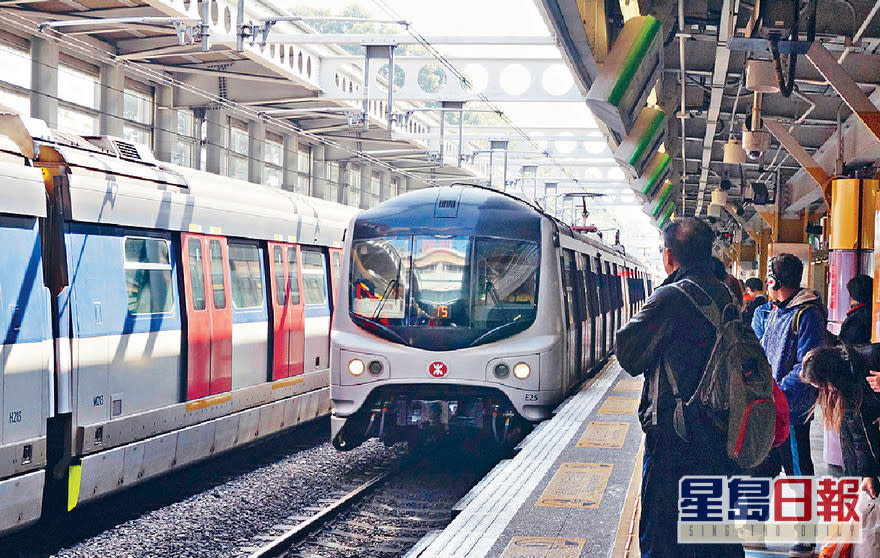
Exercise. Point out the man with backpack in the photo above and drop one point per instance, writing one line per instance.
(670, 341)
(795, 326)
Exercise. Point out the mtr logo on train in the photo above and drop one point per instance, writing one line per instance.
(437, 369)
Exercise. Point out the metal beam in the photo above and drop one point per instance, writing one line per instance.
(719, 80)
(800, 155)
(376, 38)
(845, 86)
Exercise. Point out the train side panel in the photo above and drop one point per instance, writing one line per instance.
(26, 357)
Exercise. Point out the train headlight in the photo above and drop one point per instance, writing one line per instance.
(522, 370)
(501, 370)
(356, 367)
(375, 368)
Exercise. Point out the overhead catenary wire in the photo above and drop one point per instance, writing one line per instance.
(433, 51)
(92, 51)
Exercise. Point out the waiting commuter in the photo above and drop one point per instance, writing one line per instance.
(795, 326)
(671, 334)
(856, 329)
(848, 404)
(755, 296)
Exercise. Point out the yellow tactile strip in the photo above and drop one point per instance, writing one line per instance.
(626, 543)
(602, 434)
(577, 485)
(543, 547)
(629, 384)
(615, 405)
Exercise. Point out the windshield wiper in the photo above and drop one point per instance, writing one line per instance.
(493, 331)
(391, 285)
(385, 329)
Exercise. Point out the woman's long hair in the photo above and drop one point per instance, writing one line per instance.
(830, 369)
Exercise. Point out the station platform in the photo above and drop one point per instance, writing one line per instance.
(572, 490)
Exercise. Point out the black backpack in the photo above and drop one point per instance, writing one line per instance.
(736, 388)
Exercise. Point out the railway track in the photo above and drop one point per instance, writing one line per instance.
(389, 512)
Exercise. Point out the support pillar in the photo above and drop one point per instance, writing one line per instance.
(217, 134)
(409, 184)
(165, 132)
(366, 185)
(44, 80)
(763, 253)
(384, 186)
(321, 187)
(112, 100)
(289, 173)
(851, 246)
(344, 185)
(256, 150)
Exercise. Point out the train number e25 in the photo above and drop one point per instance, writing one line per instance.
(531, 397)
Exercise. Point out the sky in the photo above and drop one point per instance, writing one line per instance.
(506, 18)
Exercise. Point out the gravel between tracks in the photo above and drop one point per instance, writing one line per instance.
(225, 516)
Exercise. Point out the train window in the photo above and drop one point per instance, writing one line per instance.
(278, 272)
(245, 276)
(507, 281)
(148, 275)
(314, 279)
(196, 273)
(440, 281)
(379, 280)
(292, 276)
(217, 280)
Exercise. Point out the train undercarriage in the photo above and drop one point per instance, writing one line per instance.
(393, 417)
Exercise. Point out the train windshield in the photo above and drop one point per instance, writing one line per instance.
(444, 292)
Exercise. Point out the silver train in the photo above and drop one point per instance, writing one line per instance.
(468, 309)
(150, 315)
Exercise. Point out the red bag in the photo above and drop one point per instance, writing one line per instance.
(782, 423)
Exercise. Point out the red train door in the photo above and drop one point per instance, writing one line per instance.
(287, 311)
(209, 318)
(221, 315)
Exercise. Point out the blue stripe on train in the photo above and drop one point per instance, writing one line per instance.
(99, 298)
(24, 301)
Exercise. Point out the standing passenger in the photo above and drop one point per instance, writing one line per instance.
(855, 330)
(755, 296)
(795, 326)
(671, 333)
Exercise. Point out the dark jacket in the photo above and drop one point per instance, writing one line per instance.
(785, 351)
(856, 328)
(670, 330)
(753, 304)
(859, 435)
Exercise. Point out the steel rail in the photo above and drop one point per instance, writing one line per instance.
(314, 523)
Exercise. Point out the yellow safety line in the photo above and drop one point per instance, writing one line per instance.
(206, 402)
(283, 383)
(626, 543)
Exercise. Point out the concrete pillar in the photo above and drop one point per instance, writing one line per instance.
(256, 150)
(289, 160)
(44, 80)
(165, 130)
(366, 184)
(217, 135)
(321, 188)
(342, 191)
(384, 186)
(112, 100)
(409, 184)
